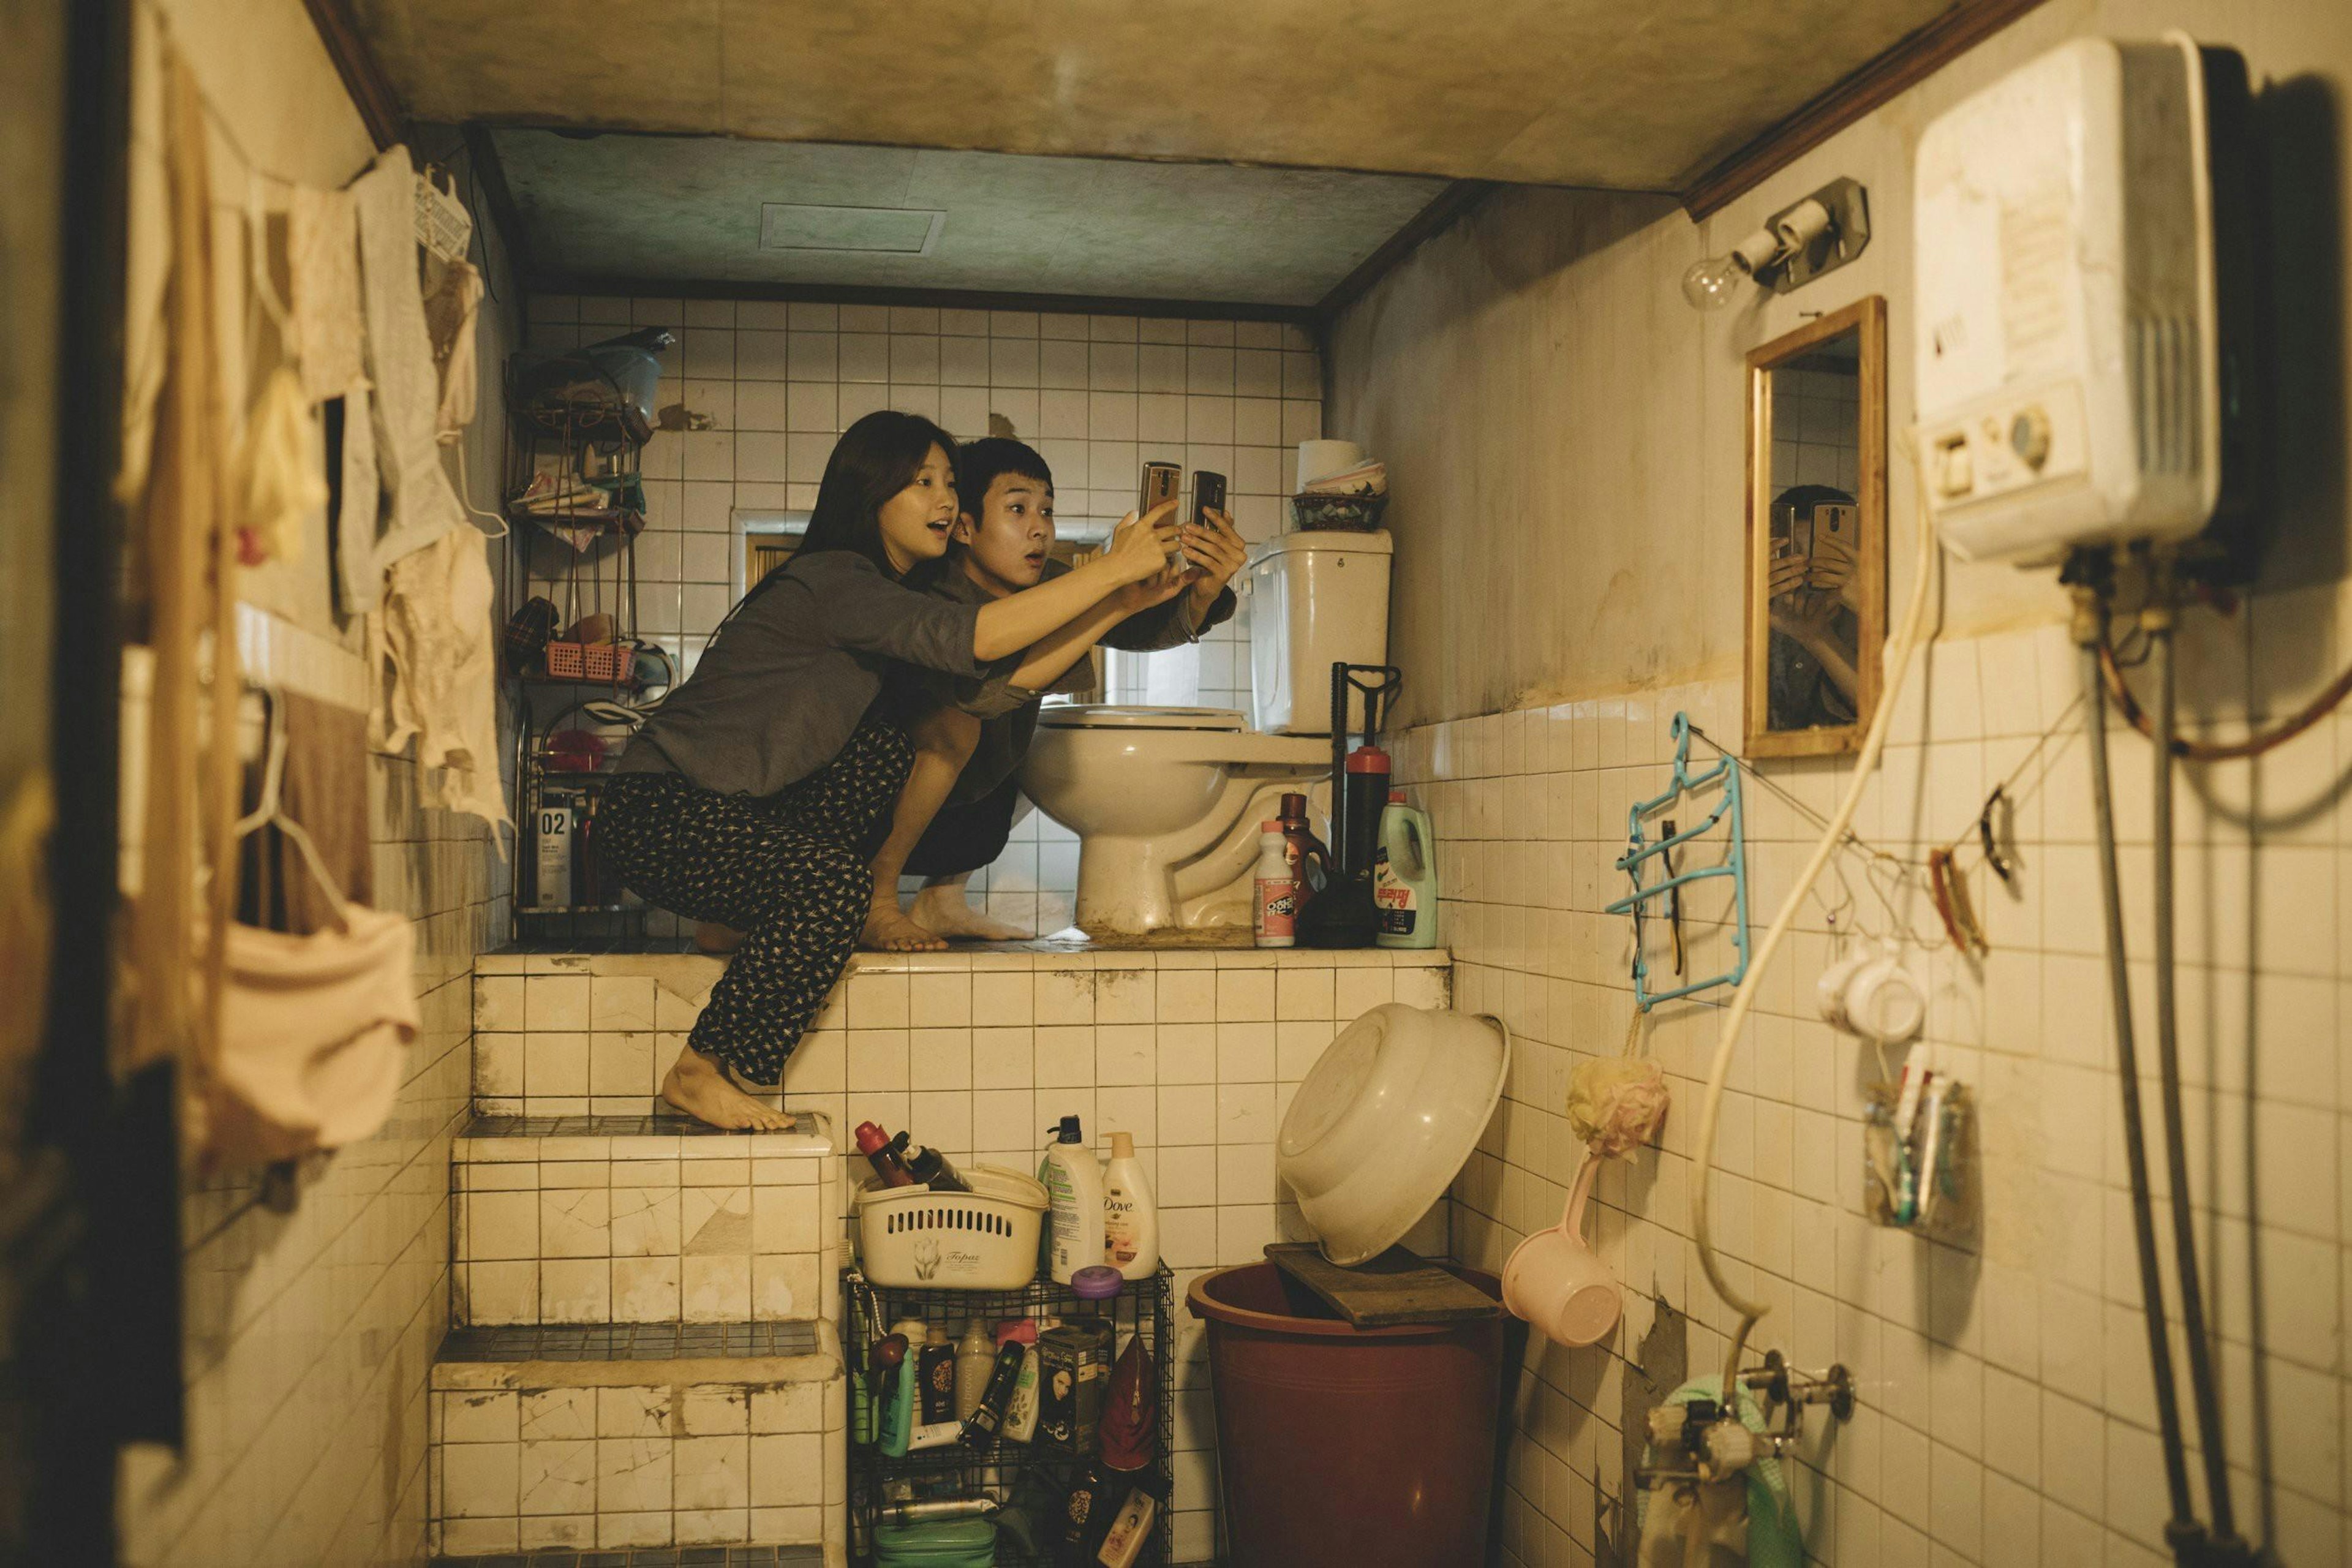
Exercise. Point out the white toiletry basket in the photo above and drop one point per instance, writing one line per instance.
(985, 1239)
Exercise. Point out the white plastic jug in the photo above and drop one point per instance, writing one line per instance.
(1405, 877)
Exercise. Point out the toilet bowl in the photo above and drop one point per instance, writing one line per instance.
(1165, 804)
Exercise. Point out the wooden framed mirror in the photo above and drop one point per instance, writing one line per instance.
(1816, 533)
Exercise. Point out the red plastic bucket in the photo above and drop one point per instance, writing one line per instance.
(1347, 1447)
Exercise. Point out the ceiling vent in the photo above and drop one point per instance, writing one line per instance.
(890, 231)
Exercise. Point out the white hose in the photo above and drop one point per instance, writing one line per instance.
(1897, 666)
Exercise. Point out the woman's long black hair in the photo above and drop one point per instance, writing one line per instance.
(875, 459)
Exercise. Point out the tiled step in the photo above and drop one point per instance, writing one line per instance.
(641, 1219)
(643, 1437)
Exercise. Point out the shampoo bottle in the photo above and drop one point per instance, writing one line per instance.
(1074, 1188)
(1405, 877)
(1131, 1219)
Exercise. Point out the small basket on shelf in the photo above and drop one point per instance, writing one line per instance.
(1350, 514)
(985, 1239)
(593, 663)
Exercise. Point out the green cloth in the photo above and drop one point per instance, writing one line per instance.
(1773, 1538)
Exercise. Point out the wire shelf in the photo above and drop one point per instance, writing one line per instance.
(1146, 1307)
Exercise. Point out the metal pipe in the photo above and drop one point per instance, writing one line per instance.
(2212, 1441)
(2183, 1532)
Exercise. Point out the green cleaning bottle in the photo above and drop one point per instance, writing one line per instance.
(1405, 877)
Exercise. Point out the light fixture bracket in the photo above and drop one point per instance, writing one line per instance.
(1847, 237)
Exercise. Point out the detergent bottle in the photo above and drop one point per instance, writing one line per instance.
(1405, 877)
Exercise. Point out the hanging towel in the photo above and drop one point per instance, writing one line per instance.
(1746, 1518)
(314, 1038)
(423, 504)
(323, 244)
(433, 673)
(450, 312)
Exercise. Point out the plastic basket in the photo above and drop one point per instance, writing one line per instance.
(985, 1239)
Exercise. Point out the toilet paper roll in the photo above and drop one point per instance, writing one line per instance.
(1318, 460)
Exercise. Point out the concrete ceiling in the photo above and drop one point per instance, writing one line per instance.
(688, 209)
(1626, 94)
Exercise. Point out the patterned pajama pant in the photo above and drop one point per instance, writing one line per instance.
(788, 870)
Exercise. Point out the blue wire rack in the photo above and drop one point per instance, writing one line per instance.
(1641, 853)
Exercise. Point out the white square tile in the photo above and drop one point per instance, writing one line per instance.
(787, 1471)
(480, 1479)
(632, 1475)
(559, 1477)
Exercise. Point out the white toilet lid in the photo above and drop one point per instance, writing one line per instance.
(1113, 716)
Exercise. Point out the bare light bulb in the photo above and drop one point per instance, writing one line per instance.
(1709, 284)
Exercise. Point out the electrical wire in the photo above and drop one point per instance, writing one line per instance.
(2270, 739)
(1743, 1000)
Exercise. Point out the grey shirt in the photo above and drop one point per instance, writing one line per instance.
(1010, 711)
(789, 678)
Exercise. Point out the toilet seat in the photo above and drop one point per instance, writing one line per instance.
(1118, 716)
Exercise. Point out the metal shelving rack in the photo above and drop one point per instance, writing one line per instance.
(568, 440)
(1146, 1307)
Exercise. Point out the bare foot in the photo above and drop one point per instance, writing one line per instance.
(697, 1086)
(941, 907)
(888, 929)
(712, 937)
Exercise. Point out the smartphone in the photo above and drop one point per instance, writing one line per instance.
(1208, 495)
(1161, 483)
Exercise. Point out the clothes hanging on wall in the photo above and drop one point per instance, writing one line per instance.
(315, 1029)
(282, 469)
(451, 309)
(422, 506)
(325, 788)
(322, 239)
(183, 541)
(432, 656)
(315, 1037)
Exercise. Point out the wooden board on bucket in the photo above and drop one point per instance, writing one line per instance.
(1394, 1289)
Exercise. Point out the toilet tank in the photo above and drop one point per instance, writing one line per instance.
(1317, 597)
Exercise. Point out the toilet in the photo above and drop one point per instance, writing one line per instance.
(1166, 801)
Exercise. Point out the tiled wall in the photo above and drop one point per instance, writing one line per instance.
(2005, 1413)
(649, 1228)
(635, 1464)
(1195, 1053)
(1815, 429)
(1097, 395)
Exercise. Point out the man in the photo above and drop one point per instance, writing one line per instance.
(957, 810)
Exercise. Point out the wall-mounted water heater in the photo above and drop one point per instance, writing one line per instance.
(2086, 302)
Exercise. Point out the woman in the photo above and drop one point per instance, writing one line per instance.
(757, 793)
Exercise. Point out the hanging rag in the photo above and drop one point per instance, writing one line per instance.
(283, 471)
(322, 241)
(433, 673)
(325, 788)
(406, 396)
(314, 1038)
(450, 312)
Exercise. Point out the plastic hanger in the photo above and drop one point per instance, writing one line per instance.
(270, 811)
